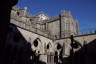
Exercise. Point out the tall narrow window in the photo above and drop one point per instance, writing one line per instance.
(35, 42)
(18, 13)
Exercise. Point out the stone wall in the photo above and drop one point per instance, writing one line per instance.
(54, 28)
(59, 26)
(43, 42)
(81, 39)
(41, 47)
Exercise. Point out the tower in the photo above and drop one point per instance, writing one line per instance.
(68, 24)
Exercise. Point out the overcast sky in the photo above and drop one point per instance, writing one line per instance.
(82, 10)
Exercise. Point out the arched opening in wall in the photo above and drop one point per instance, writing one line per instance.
(75, 45)
(36, 42)
(49, 45)
(18, 13)
(58, 46)
(56, 57)
(30, 19)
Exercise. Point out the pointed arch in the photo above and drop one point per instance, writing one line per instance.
(49, 45)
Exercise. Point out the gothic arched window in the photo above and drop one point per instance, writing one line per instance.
(58, 46)
(48, 46)
(36, 42)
